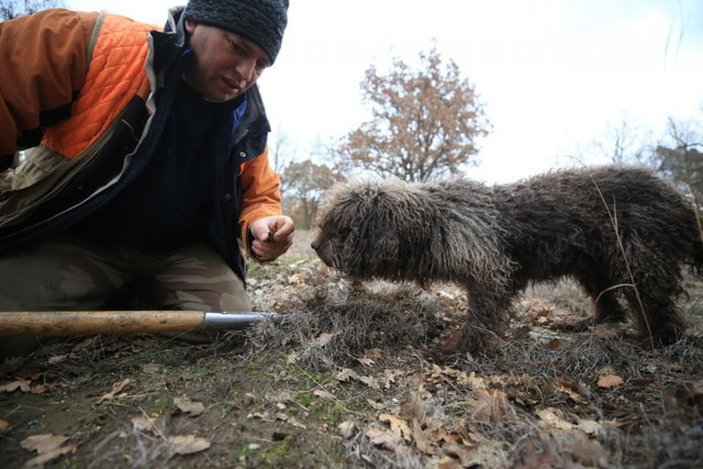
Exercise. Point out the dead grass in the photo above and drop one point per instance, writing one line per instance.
(346, 378)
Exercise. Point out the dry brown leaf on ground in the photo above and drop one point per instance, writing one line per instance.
(397, 425)
(563, 449)
(492, 406)
(187, 406)
(4, 425)
(385, 438)
(447, 463)
(144, 424)
(365, 361)
(414, 407)
(552, 420)
(569, 388)
(346, 374)
(321, 393)
(42, 388)
(372, 353)
(48, 448)
(556, 419)
(471, 379)
(187, 444)
(346, 429)
(117, 388)
(21, 384)
(610, 381)
(421, 440)
(605, 332)
(323, 339)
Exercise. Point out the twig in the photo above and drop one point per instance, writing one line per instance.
(614, 222)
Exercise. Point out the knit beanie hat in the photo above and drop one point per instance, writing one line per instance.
(261, 21)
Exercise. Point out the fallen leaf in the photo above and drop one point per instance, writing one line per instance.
(53, 360)
(265, 416)
(554, 344)
(324, 394)
(397, 425)
(346, 374)
(375, 405)
(323, 339)
(47, 446)
(21, 384)
(492, 406)
(144, 424)
(372, 353)
(44, 458)
(472, 380)
(187, 444)
(385, 438)
(605, 332)
(365, 361)
(413, 407)
(346, 428)
(448, 463)
(421, 440)
(590, 427)
(4, 425)
(39, 389)
(296, 423)
(610, 381)
(117, 387)
(43, 443)
(84, 344)
(563, 449)
(551, 419)
(187, 406)
(569, 388)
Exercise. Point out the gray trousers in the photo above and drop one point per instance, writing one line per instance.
(71, 274)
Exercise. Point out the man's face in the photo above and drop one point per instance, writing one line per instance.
(226, 64)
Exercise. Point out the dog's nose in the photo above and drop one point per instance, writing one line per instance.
(315, 245)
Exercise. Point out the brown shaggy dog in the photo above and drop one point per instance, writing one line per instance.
(596, 225)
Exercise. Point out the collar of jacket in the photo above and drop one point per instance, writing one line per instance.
(169, 47)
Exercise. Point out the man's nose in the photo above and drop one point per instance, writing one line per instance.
(246, 68)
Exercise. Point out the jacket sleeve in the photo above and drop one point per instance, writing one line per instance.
(44, 60)
(261, 195)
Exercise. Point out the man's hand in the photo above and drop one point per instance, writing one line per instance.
(271, 236)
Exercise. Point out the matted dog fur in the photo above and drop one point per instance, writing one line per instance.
(605, 227)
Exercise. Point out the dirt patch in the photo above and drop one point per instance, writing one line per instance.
(347, 379)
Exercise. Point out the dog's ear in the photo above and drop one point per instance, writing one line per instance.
(382, 226)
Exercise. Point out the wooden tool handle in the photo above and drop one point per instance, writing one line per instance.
(67, 323)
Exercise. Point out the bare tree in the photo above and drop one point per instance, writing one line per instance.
(281, 153)
(682, 158)
(425, 122)
(624, 143)
(13, 8)
(307, 181)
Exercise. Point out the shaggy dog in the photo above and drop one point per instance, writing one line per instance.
(618, 231)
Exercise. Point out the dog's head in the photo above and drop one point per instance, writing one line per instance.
(369, 229)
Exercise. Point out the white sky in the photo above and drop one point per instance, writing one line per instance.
(552, 74)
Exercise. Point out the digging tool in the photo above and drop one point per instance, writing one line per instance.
(69, 323)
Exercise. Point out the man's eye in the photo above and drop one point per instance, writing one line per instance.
(237, 48)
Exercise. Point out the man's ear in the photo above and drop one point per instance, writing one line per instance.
(190, 26)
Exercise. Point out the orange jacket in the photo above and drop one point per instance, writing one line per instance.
(83, 87)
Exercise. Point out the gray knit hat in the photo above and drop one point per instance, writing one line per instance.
(262, 21)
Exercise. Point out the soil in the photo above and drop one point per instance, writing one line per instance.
(345, 377)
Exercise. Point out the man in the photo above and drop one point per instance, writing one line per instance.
(148, 171)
